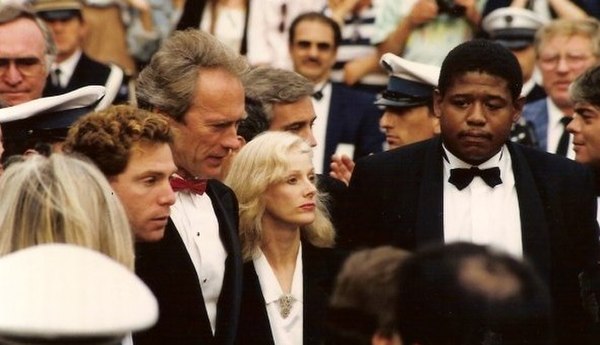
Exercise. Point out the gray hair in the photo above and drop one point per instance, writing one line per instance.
(168, 83)
(13, 11)
(268, 86)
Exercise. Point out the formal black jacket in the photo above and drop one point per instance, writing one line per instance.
(396, 197)
(167, 269)
(320, 267)
(87, 72)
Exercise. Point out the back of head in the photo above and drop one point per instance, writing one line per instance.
(267, 86)
(481, 56)
(587, 27)
(466, 294)
(168, 83)
(62, 199)
(364, 296)
(107, 137)
(586, 88)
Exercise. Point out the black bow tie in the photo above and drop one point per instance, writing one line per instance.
(318, 95)
(461, 177)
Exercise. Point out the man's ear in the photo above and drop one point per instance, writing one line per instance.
(518, 107)
(437, 100)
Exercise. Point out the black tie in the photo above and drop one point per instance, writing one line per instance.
(318, 95)
(56, 77)
(563, 142)
(461, 177)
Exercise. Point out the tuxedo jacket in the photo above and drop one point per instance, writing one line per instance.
(167, 269)
(320, 267)
(88, 72)
(537, 114)
(396, 197)
(352, 119)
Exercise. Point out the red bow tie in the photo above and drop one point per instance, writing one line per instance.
(197, 186)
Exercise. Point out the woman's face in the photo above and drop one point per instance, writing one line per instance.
(292, 202)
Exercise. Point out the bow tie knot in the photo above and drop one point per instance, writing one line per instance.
(196, 186)
(461, 177)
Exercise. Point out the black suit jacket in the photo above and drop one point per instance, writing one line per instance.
(87, 72)
(396, 197)
(353, 119)
(320, 267)
(167, 269)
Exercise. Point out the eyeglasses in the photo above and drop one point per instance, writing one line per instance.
(321, 46)
(572, 60)
(28, 66)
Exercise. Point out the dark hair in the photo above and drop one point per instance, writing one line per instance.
(316, 17)
(482, 56)
(586, 88)
(467, 294)
(255, 122)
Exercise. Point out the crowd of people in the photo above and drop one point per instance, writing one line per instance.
(368, 172)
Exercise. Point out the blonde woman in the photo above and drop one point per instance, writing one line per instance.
(62, 199)
(286, 239)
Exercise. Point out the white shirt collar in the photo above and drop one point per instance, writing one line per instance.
(269, 284)
(455, 162)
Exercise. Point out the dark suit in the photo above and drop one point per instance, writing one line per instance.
(320, 267)
(167, 269)
(537, 114)
(396, 197)
(353, 119)
(87, 72)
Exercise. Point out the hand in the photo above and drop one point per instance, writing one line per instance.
(422, 12)
(341, 168)
(141, 5)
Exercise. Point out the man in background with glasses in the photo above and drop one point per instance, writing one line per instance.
(564, 50)
(26, 52)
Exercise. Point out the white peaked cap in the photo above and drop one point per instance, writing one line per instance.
(411, 83)
(60, 290)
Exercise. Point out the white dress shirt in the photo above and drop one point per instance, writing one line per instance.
(286, 331)
(67, 68)
(197, 224)
(320, 126)
(482, 214)
(556, 128)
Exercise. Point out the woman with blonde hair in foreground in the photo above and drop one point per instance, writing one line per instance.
(286, 240)
(62, 199)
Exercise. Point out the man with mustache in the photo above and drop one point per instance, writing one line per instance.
(347, 120)
(565, 49)
(472, 184)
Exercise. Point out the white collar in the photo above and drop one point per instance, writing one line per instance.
(269, 285)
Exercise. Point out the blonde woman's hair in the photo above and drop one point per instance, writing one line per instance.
(264, 161)
(62, 199)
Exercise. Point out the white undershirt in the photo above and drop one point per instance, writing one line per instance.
(482, 214)
(556, 128)
(286, 331)
(320, 126)
(197, 224)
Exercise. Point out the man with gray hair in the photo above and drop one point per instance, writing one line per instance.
(195, 271)
(26, 52)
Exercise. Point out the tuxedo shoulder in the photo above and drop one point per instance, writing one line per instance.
(413, 152)
(551, 163)
(353, 93)
(218, 188)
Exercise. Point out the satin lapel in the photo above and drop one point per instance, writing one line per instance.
(534, 227)
(254, 322)
(315, 295)
(430, 216)
(228, 306)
